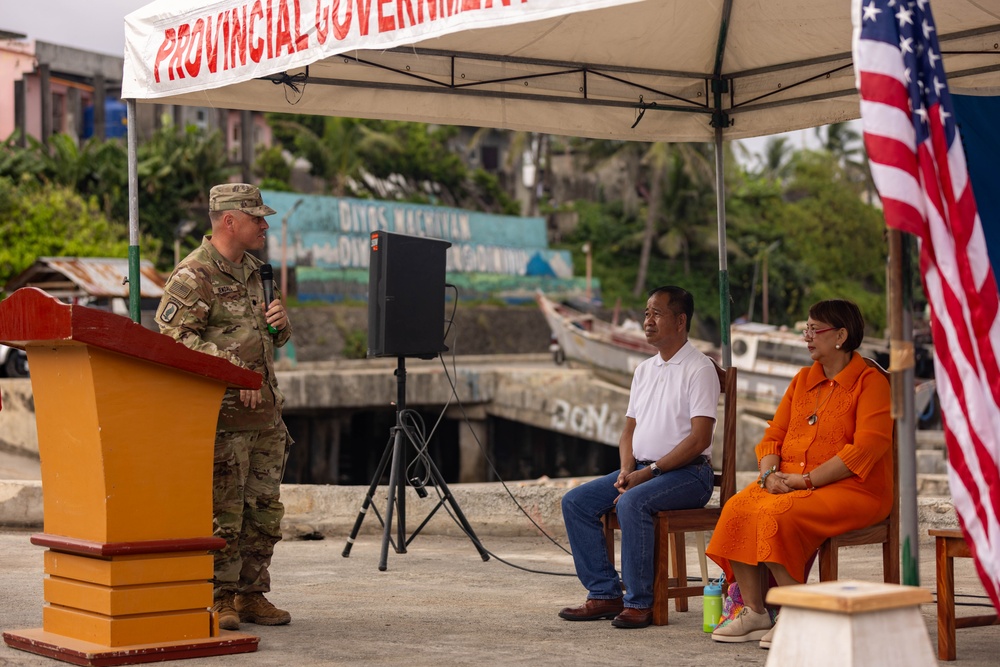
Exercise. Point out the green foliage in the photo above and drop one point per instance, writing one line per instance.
(801, 215)
(806, 220)
(18, 163)
(94, 169)
(418, 151)
(294, 302)
(176, 171)
(272, 168)
(275, 184)
(490, 194)
(286, 126)
(491, 301)
(391, 160)
(51, 221)
(839, 236)
(335, 147)
(355, 345)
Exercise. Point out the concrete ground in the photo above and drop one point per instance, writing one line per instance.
(440, 604)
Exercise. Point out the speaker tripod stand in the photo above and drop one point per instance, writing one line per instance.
(394, 449)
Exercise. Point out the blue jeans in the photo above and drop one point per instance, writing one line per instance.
(689, 487)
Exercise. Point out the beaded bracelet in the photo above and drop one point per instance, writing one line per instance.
(763, 475)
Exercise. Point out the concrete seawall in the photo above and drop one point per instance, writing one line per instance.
(330, 511)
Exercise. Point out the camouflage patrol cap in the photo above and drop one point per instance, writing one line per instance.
(238, 197)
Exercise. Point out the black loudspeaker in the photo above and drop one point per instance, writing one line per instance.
(406, 283)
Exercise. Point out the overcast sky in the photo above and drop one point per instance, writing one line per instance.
(99, 25)
(94, 25)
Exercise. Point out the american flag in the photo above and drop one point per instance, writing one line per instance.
(918, 165)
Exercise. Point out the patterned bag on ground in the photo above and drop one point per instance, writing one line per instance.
(732, 602)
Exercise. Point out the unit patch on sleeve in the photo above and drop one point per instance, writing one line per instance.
(169, 311)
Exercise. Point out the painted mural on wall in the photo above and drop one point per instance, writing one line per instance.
(588, 421)
(327, 242)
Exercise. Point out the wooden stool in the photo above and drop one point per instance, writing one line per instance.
(850, 624)
(950, 545)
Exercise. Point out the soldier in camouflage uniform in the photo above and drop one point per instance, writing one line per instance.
(214, 303)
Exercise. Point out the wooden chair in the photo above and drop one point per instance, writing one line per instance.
(885, 532)
(949, 545)
(671, 525)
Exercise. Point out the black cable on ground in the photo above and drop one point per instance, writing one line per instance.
(414, 429)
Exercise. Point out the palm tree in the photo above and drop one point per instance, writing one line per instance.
(176, 172)
(337, 153)
(658, 159)
(625, 156)
(840, 139)
(776, 162)
(846, 145)
(680, 175)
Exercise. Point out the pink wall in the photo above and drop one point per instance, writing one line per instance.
(16, 58)
(262, 133)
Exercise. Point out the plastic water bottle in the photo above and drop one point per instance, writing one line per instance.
(712, 606)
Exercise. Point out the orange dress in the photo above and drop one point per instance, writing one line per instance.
(854, 423)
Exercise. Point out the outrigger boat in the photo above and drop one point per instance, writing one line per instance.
(612, 350)
(768, 356)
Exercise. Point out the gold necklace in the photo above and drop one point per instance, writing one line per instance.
(813, 418)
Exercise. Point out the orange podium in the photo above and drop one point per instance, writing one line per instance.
(126, 429)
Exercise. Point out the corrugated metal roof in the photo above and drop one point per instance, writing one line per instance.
(94, 276)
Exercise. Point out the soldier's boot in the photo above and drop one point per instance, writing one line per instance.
(228, 618)
(254, 608)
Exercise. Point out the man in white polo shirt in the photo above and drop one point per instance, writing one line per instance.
(664, 449)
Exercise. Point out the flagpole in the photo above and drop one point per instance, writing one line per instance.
(901, 368)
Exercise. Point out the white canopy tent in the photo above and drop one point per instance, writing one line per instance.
(639, 70)
(570, 67)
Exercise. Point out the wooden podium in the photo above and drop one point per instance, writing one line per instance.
(126, 423)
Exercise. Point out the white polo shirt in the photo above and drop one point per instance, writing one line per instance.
(666, 395)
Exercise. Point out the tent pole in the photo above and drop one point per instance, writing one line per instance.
(134, 277)
(901, 368)
(720, 206)
(720, 121)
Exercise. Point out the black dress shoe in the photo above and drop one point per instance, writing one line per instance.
(593, 610)
(633, 618)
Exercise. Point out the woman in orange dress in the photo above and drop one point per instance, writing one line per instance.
(825, 468)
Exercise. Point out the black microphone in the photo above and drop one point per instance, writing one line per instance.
(267, 277)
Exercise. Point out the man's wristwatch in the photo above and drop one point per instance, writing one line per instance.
(653, 469)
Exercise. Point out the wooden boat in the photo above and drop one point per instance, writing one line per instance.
(769, 357)
(612, 350)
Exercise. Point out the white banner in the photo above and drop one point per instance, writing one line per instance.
(181, 46)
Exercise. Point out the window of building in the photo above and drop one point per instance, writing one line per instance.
(490, 158)
(59, 113)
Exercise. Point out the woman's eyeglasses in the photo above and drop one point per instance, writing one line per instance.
(810, 332)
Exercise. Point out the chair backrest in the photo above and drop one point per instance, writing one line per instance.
(894, 512)
(726, 480)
